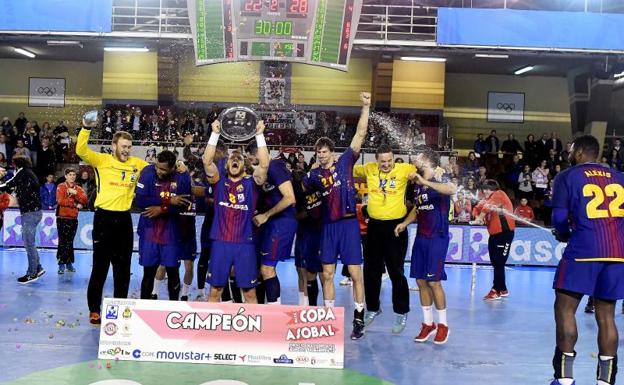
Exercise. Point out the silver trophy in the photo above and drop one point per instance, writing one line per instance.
(91, 119)
(238, 124)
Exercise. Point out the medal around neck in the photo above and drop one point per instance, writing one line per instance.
(238, 124)
(90, 119)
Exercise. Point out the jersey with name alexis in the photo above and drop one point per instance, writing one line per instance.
(594, 197)
(336, 185)
(234, 207)
(433, 211)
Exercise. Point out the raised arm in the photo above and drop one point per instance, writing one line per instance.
(446, 188)
(212, 172)
(362, 127)
(83, 150)
(260, 174)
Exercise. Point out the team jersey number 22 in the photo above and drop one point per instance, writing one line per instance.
(593, 208)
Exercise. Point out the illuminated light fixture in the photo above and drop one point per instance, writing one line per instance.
(24, 52)
(492, 56)
(428, 59)
(126, 49)
(523, 70)
(64, 42)
(617, 76)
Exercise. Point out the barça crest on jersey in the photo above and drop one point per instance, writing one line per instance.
(241, 197)
(240, 188)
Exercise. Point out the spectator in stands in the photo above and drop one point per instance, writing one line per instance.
(20, 123)
(32, 142)
(48, 193)
(61, 141)
(471, 166)
(547, 206)
(462, 208)
(398, 160)
(482, 175)
(514, 169)
(471, 192)
(6, 125)
(108, 125)
(555, 171)
(150, 156)
(511, 146)
(88, 185)
(604, 161)
(137, 125)
(542, 148)
(46, 162)
(552, 160)
(301, 163)
(21, 150)
(3, 161)
(492, 144)
(614, 159)
(479, 146)
(451, 167)
(46, 130)
(540, 180)
(525, 183)
(565, 154)
(555, 143)
(524, 210)
(5, 148)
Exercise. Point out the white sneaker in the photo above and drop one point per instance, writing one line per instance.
(346, 281)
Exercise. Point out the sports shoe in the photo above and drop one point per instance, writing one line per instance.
(426, 331)
(414, 288)
(442, 335)
(94, 318)
(492, 296)
(589, 308)
(61, 269)
(27, 279)
(154, 296)
(504, 293)
(370, 316)
(200, 298)
(346, 281)
(70, 268)
(556, 382)
(399, 323)
(40, 271)
(358, 329)
(184, 298)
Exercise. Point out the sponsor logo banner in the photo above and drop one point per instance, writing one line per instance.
(215, 333)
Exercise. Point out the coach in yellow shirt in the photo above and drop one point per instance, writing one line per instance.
(116, 176)
(387, 182)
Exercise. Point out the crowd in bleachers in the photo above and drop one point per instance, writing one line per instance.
(525, 170)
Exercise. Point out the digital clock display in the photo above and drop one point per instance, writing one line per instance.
(306, 31)
(278, 28)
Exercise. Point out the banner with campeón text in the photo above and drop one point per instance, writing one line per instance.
(216, 333)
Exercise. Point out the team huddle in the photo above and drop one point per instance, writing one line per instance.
(255, 208)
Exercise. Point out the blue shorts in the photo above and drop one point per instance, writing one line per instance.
(603, 280)
(275, 240)
(428, 256)
(307, 250)
(341, 238)
(189, 249)
(154, 254)
(224, 255)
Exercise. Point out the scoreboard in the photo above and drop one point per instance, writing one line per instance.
(319, 32)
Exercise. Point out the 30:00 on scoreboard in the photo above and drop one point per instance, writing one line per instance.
(279, 28)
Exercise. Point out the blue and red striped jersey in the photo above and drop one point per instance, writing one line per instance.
(234, 207)
(593, 196)
(433, 212)
(336, 186)
(271, 195)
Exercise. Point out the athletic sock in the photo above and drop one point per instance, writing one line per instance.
(563, 363)
(329, 302)
(302, 299)
(185, 290)
(272, 286)
(427, 314)
(359, 307)
(201, 292)
(157, 283)
(313, 291)
(607, 369)
(442, 317)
